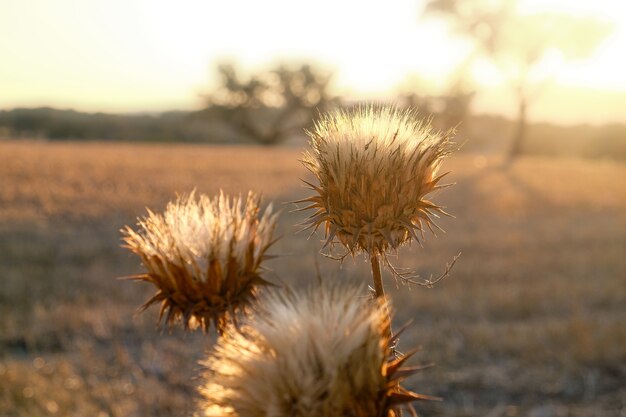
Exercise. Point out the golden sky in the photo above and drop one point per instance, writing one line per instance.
(151, 55)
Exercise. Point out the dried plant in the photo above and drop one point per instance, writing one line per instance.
(204, 257)
(375, 167)
(328, 352)
(317, 354)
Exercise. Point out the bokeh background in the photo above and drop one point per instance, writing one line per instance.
(107, 108)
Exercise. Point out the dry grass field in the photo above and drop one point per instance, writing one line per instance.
(532, 321)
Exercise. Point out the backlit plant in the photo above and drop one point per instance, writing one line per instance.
(204, 257)
(329, 351)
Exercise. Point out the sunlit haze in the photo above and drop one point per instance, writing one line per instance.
(148, 55)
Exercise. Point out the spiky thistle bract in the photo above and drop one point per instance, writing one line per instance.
(204, 256)
(375, 167)
(316, 354)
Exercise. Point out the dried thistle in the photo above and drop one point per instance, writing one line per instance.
(375, 167)
(325, 353)
(204, 257)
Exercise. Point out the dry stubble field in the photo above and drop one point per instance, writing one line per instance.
(532, 321)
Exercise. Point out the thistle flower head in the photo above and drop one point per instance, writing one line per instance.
(204, 256)
(320, 354)
(375, 167)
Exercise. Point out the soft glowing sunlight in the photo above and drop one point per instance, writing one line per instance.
(146, 55)
(251, 146)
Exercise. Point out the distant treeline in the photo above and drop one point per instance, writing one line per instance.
(206, 125)
(477, 133)
(54, 124)
(494, 133)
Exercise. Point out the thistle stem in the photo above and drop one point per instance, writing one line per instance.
(380, 290)
(378, 280)
(380, 293)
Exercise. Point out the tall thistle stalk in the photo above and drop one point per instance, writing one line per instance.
(327, 352)
(375, 167)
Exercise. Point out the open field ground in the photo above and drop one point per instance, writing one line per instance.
(532, 321)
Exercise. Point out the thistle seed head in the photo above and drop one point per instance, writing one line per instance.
(319, 354)
(375, 166)
(204, 257)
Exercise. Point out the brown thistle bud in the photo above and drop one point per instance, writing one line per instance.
(375, 167)
(204, 257)
(325, 353)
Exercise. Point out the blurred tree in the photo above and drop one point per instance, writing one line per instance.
(517, 43)
(269, 106)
